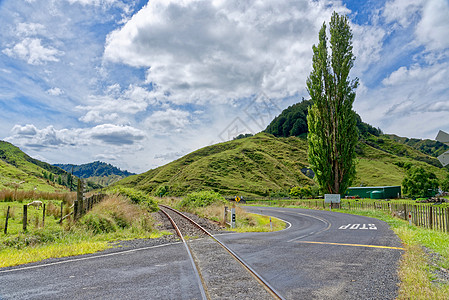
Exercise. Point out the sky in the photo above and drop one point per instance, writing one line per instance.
(141, 83)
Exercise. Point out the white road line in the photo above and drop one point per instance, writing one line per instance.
(86, 258)
(309, 234)
(289, 224)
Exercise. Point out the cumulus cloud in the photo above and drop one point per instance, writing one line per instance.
(433, 28)
(49, 137)
(28, 129)
(116, 105)
(30, 136)
(32, 51)
(168, 121)
(200, 51)
(116, 135)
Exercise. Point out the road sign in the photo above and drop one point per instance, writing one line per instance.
(332, 198)
(443, 137)
(237, 199)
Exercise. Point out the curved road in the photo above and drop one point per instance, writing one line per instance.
(322, 255)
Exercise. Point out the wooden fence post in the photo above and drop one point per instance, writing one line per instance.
(447, 220)
(6, 222)
(75, 210)
(431, 217)
(43, 216)
(79, 198)
(24, 218)
(62, 205)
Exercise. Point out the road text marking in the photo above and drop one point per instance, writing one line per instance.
(352, 245)
(359, 226)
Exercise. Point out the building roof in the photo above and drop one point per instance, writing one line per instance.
(374, 187)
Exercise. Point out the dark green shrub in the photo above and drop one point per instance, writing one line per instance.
(138, 197)
(202, 199)
(99, 224)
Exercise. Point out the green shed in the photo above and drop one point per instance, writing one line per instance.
(374, 192)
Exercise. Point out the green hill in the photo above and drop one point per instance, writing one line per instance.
(293, 122)
(99, 172)
(265, 164)
(17, 168)
(429, 147)
(276, 160)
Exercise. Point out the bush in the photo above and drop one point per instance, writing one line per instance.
(138, 197)
(420, 183)
(202, 199)
(115, 213)
(99, 223)
(161, 191)
(301, 192)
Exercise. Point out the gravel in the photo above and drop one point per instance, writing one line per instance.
(225, 278)
(435, 260)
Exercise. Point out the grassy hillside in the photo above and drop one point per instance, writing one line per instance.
(264, 164)
(17, 169)
(257, 165)
(429, 147)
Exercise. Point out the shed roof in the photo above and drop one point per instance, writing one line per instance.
(374, 187)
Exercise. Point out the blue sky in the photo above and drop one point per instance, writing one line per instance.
(139, 84)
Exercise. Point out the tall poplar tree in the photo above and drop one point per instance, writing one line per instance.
(332, 122)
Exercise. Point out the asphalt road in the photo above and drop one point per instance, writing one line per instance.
(160, 272)
(322, 255)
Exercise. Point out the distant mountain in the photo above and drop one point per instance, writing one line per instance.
(99, 172)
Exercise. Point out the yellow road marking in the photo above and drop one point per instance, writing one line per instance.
(352, 245)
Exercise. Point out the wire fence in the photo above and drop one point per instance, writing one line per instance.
(424, 215)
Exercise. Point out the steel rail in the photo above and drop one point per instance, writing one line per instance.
(259, 278)
(201, 283)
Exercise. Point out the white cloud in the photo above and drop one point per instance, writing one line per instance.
(201, 51)
(29, 29)
(49, 137)
(368, 45)
(116, 135)
(168, 121)
(403, 12)
(28, 129)
(32, 51)
(55, 91)
(117, 105)
(433, 28)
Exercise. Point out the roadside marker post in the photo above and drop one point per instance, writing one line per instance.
(233, 217)
(271, 225)
(410, 218)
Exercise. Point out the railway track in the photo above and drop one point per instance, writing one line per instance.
(221, 274)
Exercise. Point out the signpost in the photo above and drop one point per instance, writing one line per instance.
(332, 198)
(443, 137)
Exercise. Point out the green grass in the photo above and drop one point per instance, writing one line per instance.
(17, 167)
(257, 223)
(127, 221)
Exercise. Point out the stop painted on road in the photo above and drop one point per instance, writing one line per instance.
(359, 226)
